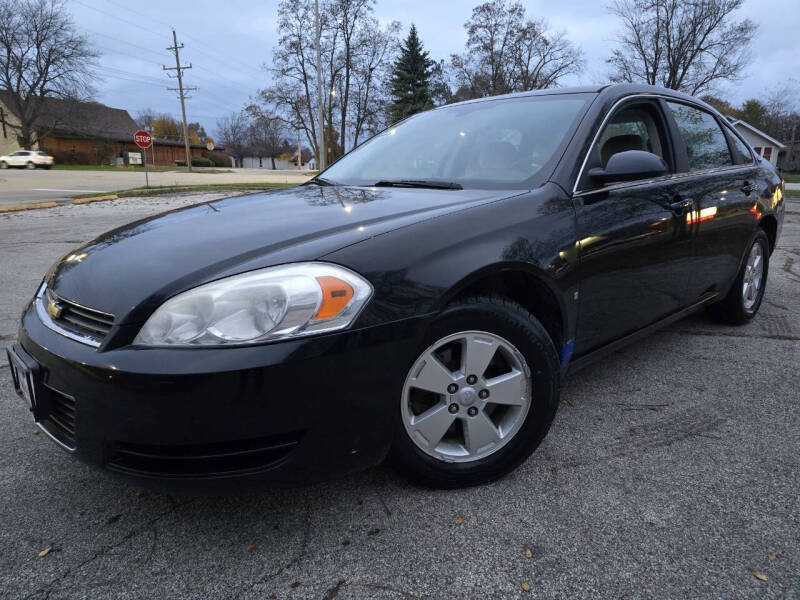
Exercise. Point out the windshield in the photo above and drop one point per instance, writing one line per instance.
(494, 144)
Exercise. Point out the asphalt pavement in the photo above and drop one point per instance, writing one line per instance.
(21, 186)
(671, 471)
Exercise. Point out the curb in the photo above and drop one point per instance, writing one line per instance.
(34, 206)
(95, 199)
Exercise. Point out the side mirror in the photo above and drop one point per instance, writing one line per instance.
(630, 166)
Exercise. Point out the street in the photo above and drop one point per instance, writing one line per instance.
(19, 186)
(671, 471)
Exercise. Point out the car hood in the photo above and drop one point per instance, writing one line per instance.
(130, 271)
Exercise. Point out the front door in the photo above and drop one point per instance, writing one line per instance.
(635, 244)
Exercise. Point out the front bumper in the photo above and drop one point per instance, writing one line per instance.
(293, 411)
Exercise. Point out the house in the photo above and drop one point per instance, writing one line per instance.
(764, 145)
(87, 133)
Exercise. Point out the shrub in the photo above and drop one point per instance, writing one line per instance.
(199, 161)
(219, 159)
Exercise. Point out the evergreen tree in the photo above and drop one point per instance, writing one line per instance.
(411, 79)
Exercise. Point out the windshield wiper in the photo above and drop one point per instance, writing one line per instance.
(419, 183)
(320, 181)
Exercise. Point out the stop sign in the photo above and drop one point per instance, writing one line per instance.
(143, 139)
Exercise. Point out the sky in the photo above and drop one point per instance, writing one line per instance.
(228, 43)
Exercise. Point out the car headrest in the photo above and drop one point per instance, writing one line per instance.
(620, 143)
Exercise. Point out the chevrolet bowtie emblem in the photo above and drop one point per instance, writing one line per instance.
(53, 308)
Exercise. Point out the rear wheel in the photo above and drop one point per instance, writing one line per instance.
(3, 164)
(479, 398)
(744, 299)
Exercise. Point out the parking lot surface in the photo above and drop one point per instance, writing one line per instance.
(20, 186)
(672, 471)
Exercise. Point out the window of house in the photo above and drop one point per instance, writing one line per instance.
(706, 145)
(758, 150)
(767, 152)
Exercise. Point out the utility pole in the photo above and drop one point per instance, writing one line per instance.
(181, 92)
(321, 130)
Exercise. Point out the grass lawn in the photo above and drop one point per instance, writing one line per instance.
(791, 177)
(140, 169)
(177, 189)
(793, 193)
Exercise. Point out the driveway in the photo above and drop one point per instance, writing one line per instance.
(671, 471)
(23, 186)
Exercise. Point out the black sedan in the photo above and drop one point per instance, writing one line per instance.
(420, 300)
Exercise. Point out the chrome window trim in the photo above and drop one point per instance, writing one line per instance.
(673, 177)
(50, 324)
(670, 177)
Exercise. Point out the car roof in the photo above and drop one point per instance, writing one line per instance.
(609, 90)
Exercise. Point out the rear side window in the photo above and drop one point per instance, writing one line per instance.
(705, 142)
(741, 153)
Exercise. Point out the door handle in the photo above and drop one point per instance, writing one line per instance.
(749, 187)
(679, 207)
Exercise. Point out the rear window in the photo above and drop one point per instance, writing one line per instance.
(706, 145)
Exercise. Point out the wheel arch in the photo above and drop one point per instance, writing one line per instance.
(770, 226)
(526, 286)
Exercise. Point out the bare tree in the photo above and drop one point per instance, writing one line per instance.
(267, 135)
(233, 133)
(42, 56)
(507, 53)
(355, 50)
(686, 45)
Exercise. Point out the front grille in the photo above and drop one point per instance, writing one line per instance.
(82, 321)
(60, 420)
(202, 460)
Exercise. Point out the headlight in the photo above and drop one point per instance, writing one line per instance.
(269, 304)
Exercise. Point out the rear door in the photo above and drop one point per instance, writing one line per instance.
(722, 178)
(634, 242)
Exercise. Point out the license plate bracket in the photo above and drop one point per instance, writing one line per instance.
(25, 373)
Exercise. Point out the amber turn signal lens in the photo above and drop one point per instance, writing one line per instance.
(336, 294)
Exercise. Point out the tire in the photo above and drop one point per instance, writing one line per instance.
(3, 165)
(30, 165)
(522, 347)
(47, 167)
(739, 306)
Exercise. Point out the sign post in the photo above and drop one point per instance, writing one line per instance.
(144, 140)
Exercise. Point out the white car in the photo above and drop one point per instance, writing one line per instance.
(28, 159)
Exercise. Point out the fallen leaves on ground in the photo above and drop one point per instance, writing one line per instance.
(296, 584)
(250, 547)
(759, 575)
(345, 542)
(35, 432)
(773, 556)
(45, 552)
(526, 587)
(460, 520)
(375, 531)
(528, 553)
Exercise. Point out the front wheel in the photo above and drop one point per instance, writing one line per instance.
(30, 165)
(3, 164)
(479, 398)
(744, 299)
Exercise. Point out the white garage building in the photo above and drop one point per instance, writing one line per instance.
(765, 146)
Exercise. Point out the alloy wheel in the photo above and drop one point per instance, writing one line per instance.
(466, 396)
(753, 276)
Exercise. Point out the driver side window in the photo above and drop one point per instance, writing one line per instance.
(632, 128)
(635, 126)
